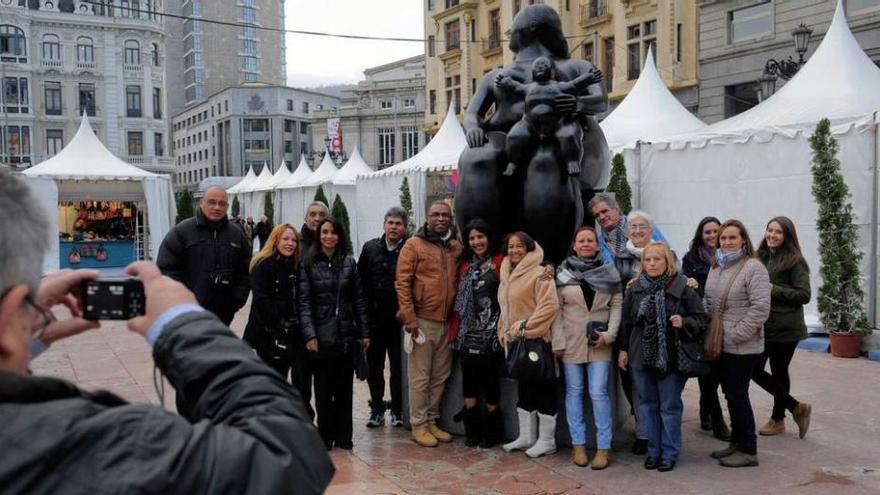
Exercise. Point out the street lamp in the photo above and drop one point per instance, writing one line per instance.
(787, 68)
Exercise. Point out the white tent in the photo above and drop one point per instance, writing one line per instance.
(322, 176)
(249, 177)
(290, 202)
(344, 186)
(253, 194)
(757, 165)
(86, 170)
(378, 191)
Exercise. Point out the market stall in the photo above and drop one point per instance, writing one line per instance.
(289, 198)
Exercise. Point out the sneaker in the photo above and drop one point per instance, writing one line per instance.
(396, 420)
(376, 420)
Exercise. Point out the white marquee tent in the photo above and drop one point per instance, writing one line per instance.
(289, 198)
(756, 165)
(249, 177)
(86, 170)
(253, 194)
(344, 184)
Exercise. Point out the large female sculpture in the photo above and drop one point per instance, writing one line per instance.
(546, 197)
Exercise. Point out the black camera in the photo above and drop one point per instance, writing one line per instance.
(594, 328)
(112, 299)
(221, 277)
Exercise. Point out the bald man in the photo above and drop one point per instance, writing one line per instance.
(210, 256)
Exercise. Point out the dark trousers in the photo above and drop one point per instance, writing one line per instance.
(709, 403)
(540, 395)
(385, 339)
(299, 366)
(334, 378)
(777, 384)
(736, 373)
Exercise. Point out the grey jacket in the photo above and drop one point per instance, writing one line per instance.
(747, 308)
(249, 431)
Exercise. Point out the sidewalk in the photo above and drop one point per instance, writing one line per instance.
(840, 455)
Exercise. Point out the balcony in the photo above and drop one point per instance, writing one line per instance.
(86, 66)
(155, 164)
(453, 8)
(55, 64)
(594, 12)
(133, 69)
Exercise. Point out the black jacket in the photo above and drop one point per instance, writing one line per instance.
(274, 311)
(262, 231)
(680, 300)
(332, 304)
(694, 267)
(306, 238)
(249, 431)
(211, 260)
(377, 268)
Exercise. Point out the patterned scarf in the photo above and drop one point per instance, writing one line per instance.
(617, 238)
(601, 276)
(725, 259)
(653, 307)
(464, 300)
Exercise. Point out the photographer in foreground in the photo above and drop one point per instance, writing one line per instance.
(248, 431)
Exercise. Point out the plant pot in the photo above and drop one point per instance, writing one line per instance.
(846, 345)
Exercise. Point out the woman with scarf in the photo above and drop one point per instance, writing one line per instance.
(659, 312)
(473, 334)
(739, 275)
(585, 328)
(696, 265)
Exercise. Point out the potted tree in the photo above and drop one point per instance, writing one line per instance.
(841, 300)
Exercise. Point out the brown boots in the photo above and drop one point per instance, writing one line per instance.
(601, 460)
(801, 416)
(772, 427)
(580, 458)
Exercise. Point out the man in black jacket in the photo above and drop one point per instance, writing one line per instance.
(316, 212)
(248, 431)
(377, 267)
(210, 256)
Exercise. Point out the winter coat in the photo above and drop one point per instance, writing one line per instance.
(790, 292)
(426, 277)
(482, 339)
(262, 231)
(377, 268)
(569, 328)
(305, 237)
(210, 259)
(680, 300)
(694, 267)
(747, 308)
(274, 309)
(524, 297)
(332, 304)
(249, 431)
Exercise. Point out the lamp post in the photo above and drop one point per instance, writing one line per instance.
(786, 68)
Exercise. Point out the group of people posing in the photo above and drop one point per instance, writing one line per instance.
(621, 302)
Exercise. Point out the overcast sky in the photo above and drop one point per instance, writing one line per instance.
(314, 61)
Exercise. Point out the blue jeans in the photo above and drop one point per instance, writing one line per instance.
(660, 409)
(597, 373)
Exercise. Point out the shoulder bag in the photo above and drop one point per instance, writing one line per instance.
(530, 359)
(714, 342)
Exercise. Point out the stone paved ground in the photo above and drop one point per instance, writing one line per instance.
(841, 454)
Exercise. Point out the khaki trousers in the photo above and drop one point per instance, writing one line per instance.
(428, 367)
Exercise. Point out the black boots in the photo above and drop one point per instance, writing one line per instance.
(493, 428)
(473, 427)
(482, 427)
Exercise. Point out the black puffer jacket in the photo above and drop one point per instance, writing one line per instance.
(694, 267)
(211, 260)
(377, 268)
(332, 304)
(248, 431)
(274, 308)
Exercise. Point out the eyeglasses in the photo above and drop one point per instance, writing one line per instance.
(214, 202)
(46, 318)
(639, 227)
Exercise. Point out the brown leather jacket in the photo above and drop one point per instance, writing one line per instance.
(427, 275)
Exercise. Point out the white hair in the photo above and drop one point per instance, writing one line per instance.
(24, 234)
(640, 214)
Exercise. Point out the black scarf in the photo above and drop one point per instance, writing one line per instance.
(653, 307)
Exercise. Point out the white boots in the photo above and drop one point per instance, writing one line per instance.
(546, 443)
(528, 431)
(537, 433)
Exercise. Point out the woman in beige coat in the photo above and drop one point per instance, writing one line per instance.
(745, 311)
(585, 328)
(528, 307)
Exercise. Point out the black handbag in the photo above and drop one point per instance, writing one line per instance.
(361, 363)
(692, 360)
(530, 360)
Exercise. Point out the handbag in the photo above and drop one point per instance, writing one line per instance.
(692, 359)
(714, 342)
(530, 359)
(361, 364)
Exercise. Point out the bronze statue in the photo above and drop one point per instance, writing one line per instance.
(537, 176)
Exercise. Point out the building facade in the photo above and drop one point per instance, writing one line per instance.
(59, 59)
(383, 116)
(209, 57)
(468, 38)
(244, 126)
(738, 37)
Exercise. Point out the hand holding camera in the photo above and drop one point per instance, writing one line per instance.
(161, 294)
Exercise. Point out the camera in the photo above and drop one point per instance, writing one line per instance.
(112, 299)
(221, 277)
(594, 328)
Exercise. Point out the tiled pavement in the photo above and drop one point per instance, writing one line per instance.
(841, 454)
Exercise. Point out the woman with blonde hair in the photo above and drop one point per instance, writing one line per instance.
(660, 314)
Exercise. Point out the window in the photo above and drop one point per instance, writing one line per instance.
(15, 144)
(386, 104)
(249, 15)
(51, 47)
(432, 101)
(451, 3)
(678, 42)
(289, 105)
(157, 103)
(304, 148)
(54, 141)
(409, 103)
(249, 64)
(517, 5)
(431, 43)
(158, 144)
(133, 101)
(598, 8)
(255, 125)
(587, 52)
(853, 6)
(12, 43)
(256, 145)
(305, 107)
(135, 143)
(289, 126)
(154, 55)
(739, 97)
(85, 50)
(608, 70)
(132, 52)
(633, 32)
(386, 145)
(87, 99)
(750, 23)
(650, 28)
(633, 61)
(494, 29)
(288, 146)
(453, 31)
(642, 37)
(250, 32)
(453, 92)
(52, 94)
(410, 141)
(432, 4)
(304, 128)
(15, 95)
